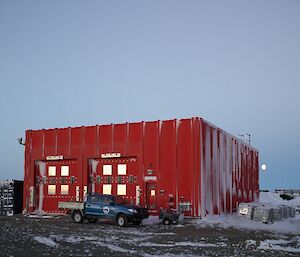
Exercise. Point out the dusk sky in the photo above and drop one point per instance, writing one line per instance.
(74, 63)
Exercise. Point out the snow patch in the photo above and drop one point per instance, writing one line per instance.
(46, 241)
(149, 244)
(40, 215)
(192, 244)
(276, 245)
(288, 226)
(250, 242)
(140, 233)
(151, 220)
(179, 225)
(203, 244)
(114, 248)
(275, 199)
(75, 239)
(171, 255)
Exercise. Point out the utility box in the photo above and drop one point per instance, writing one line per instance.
(187, 164)
(11, 197)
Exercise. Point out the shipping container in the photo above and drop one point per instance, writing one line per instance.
(11, 197)
(188, 164)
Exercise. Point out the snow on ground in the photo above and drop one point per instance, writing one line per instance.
(77, 239)
(151, 220)
(287, 226)
(284, 237)
(192, 244)
(41, 216)
(114, 248)
(250, 242)
(46, 241)
(278, 245)
(275, 199)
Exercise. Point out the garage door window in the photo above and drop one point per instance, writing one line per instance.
(64, 189)
(51, 171)
(107, 169)
(121, 169)
(51, 189)
(121, 190)
(64, 171)
(107, 189)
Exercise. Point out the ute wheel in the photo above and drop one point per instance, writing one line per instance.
(137, 222)
(122, 220)
(92, 220)
(166, 221)
(77, 217)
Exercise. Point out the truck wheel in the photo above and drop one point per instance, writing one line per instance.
(122, 220)
(166, 221)
(77, 217)
(92, 220)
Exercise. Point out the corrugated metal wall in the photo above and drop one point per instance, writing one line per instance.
(229, 173)
(191, 160)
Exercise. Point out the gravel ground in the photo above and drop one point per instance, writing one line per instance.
(24, 236)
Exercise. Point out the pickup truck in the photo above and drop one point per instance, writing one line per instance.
(100, 206)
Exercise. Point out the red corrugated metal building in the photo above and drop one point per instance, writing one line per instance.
(186, 163)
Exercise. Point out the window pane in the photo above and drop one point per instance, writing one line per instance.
(152, 192)
(65, 170)
(106, 189)
(121, 169)
(51, 189)
(107, 170)
(94, 199)
(121, 190)
(106, 200)
(64, 189)
(51, 171)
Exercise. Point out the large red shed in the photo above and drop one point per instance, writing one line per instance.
(186, 163)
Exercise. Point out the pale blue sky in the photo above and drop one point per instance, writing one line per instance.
(235, 63)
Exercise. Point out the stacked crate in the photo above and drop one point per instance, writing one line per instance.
(263, 213)
(266, 213)
(285, 211)
(11, 197)
(293, 212)
(277, 214)
(247, 209)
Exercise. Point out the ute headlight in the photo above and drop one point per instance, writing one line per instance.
(132, 210)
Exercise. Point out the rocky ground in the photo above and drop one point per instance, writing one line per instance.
(25, 236)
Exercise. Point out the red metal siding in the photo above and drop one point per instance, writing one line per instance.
(105, 139)
(63, 141)
(168, 178)
(187, 162)
(229, 171)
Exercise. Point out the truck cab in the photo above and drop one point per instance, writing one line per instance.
(112, 207)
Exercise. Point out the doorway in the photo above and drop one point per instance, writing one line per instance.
(151, 197)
